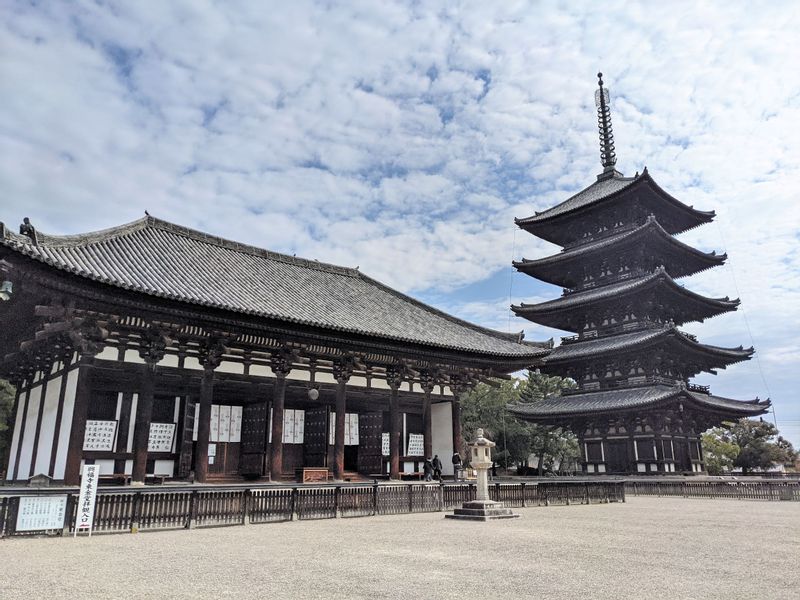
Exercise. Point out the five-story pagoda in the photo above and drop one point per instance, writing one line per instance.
(634, 410)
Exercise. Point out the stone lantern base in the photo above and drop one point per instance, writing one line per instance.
(482, 510)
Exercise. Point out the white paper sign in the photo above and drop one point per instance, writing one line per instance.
(416, 444)
(100, 436)
(224, 423)
(385, 444)
(41, 512)
(236, 424)
(86, 499)
(161, 435)
(288, 426)
(214, 432)
(212, 450)
(350, 429)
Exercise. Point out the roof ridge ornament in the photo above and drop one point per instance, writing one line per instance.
(608, 157)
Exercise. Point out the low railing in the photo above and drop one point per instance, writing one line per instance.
(119, 511)
(739, 490)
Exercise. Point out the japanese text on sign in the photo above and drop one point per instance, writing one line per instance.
(84, 516)
(100, 436)
(38, 513)
(161, 435)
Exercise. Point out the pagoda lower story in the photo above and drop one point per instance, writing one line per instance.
(649, 429)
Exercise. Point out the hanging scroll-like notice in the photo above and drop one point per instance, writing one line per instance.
(385, 444)
(100, 436)
(161, 435)
(416, 444)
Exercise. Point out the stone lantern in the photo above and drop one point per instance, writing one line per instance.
(482, 508)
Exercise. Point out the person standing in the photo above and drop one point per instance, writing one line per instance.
(437, 467)
(456, 465)
(428, 469)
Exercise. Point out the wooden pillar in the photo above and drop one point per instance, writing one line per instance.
(144, 414)
(342, 370)
(72, 470)
(394, 377)
(151, 349)
(338, 440)
(394, 435)
(458, 438)
(210, 358)
(276, 449)
(427, 381)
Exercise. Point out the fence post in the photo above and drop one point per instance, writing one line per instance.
(246, 508)
(337, 492)
(68, 515)
(136, 513)
(375, 499)
(294, 514)
(191, 521)
(410, 497)
(683, 489)
(440, 496)
(522, 486)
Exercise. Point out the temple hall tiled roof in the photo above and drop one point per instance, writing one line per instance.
(162, 259)
(634, 397)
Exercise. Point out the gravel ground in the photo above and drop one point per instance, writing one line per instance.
(645, 548)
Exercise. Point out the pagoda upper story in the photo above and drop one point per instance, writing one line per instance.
(619, 269)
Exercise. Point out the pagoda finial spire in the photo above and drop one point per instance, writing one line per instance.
(607, 154)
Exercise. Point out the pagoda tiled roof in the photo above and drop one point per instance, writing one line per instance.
(625, 342)
(164, 260)
(605, 189)
(619, 399)
(553, 312)
(553, 269)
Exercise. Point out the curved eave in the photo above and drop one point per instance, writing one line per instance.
(555, 268)
(557, 313)
(717, 356)
(608, 402)
(550, 227)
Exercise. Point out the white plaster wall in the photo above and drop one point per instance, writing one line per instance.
(128, 467)
(227, 366)
(325, 377)
(191, 362)
(379, 384)
(48, 426)
(298, 375)
(261, 371)
(109, 353)
(66, 425)
(169, 360)
(442, 434)
(164, 467)
(132, 356)
(358, 381)
(30, 432)
(12, 459)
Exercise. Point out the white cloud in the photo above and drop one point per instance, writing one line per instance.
(404, 138)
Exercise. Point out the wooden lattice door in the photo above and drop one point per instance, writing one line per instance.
(315, 437)
(370, 427)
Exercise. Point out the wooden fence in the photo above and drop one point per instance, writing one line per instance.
(123, 510)
(739, 490)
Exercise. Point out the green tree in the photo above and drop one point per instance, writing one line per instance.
(7, 393)
(719, 451)
(760, 446)
(550, 444)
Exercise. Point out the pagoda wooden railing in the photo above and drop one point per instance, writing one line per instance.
(613, 330)
(120, 510)
(700, 389)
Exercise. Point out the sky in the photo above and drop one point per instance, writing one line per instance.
(404, 137)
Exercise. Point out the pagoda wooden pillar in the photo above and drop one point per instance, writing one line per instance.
(210, 359)
(151, 351)
(342, 370)
(394, 378)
